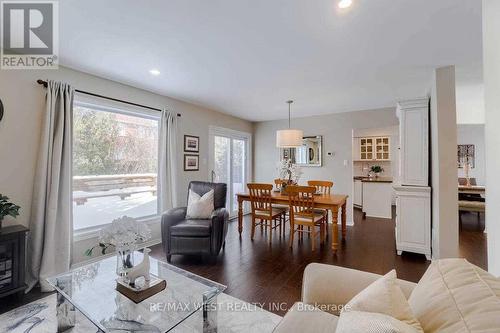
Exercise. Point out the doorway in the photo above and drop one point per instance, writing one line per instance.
(230, 162)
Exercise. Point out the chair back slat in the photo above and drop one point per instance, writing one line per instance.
(322, 186)
(301, 200)
(260, 197)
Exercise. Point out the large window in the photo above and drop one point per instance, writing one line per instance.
(115, 162)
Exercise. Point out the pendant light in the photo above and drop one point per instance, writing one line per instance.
(289, 138)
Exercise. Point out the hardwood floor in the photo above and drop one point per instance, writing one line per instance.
(473, 240)
(255, 271)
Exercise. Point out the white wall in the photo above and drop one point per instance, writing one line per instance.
(470, 94)
(473, 135)
(336, 130)
(491, 53)
(23, 101)
(444, 164)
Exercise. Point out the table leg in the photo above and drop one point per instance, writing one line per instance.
(66, 314)
(240, 215)
(344, 220)
(210, 311)
(335, 230)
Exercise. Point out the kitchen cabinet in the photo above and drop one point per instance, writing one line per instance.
(372, 149)
(413, 219)
(382, 149)
(358, 193)
(414, 141)
(377, 199)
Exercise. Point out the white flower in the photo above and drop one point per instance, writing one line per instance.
(125, 231)
(288, 170)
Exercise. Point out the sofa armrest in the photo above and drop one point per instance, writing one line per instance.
(331, 287)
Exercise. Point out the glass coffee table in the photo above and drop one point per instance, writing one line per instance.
(91, 291)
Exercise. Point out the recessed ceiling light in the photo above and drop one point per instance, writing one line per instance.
(154, 72)
(345, 3)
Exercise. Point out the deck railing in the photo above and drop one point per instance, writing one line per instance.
(123, 186)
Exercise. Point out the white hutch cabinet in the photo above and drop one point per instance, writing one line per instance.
(414, 141)
(413, 194)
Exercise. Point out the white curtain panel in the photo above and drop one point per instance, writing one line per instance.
(167, 172)
(50, 239)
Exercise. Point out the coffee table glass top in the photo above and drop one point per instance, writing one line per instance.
(91, 289)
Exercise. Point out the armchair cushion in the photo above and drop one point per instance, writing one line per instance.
(200, 206)
(192, 228)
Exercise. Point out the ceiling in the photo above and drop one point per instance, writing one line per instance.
(246, 58)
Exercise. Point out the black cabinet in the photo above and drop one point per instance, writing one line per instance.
(12, 259)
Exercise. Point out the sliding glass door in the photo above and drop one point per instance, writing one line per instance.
(230, 162)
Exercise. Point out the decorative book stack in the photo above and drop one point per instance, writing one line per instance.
(138, 294)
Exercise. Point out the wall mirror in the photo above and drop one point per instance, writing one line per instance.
(309, 154)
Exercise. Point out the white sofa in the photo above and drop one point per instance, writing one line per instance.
(452, 296)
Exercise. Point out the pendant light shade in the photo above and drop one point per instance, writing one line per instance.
(289, 138)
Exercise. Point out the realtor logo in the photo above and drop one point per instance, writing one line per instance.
(29, 34)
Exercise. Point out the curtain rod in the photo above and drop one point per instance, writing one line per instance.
(44, 83)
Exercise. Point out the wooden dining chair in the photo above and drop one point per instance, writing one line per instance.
(325, 188)
(303, 214)
(263, 210)
(278, 182)
(322, 186)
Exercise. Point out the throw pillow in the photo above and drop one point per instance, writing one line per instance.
(386, 297)
(369, 322)
(200, 207)
(455, 296)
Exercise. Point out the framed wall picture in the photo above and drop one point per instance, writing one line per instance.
(466, 154)
(191, 162)
(191, 143)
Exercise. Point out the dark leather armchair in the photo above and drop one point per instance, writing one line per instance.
(196, 236)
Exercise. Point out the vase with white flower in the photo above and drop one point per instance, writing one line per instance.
(289, 173)
(123, 234)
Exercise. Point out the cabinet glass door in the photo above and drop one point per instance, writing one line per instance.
(366, 149)
(382, 148)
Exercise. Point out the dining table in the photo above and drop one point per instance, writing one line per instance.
(334, 202)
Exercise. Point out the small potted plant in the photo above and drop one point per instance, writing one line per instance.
(7, 208)
(377, 170)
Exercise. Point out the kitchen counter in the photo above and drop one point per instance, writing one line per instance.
(374, 179)
(374, 196)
